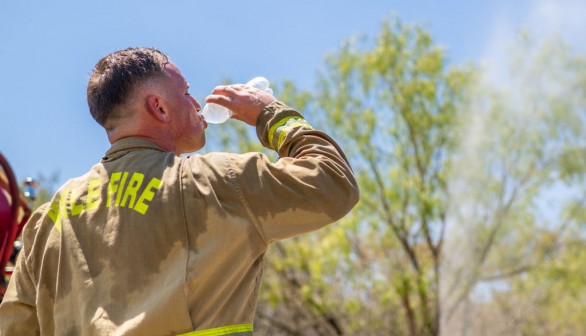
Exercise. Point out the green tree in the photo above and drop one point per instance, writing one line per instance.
(523, 194)
(395, 105)
(392, 104)
(453, 170)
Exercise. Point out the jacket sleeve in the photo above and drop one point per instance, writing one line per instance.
(310, 186)
(18, 311)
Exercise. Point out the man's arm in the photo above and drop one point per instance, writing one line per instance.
(310, 186)
(18, 311)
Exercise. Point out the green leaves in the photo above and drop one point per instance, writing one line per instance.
(455, 173)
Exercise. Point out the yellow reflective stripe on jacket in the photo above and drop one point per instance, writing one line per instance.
(227, 330)
(280, 130)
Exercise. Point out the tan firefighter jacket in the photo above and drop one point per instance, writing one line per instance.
(149, 243)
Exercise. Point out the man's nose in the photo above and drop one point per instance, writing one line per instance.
(196, 104)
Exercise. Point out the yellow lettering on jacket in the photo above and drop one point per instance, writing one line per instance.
(62, 202)
(113, 187)
(122, 184)
(93, 194)
(70, 203)
(76, 208)
(132, 189)
(54, 214)
(147, 195)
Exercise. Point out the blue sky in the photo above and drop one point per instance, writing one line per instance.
(48, 49)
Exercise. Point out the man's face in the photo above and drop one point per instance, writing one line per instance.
(188, 127)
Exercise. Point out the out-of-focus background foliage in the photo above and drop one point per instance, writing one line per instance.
(472, 214)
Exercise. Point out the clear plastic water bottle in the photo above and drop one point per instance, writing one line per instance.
(217, 114)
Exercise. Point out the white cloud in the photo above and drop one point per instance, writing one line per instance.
(544, 19)
(564, 17)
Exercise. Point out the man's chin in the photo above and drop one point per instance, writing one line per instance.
(199, 144)
(194, 148)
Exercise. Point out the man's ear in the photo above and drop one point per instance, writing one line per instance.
(156, 107)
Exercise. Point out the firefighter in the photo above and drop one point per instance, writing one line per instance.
(152, 242)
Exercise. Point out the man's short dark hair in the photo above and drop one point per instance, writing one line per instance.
(117, 74)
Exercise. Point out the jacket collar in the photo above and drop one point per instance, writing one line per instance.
(125, 145)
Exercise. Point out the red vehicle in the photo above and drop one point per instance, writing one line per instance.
(14, 212)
